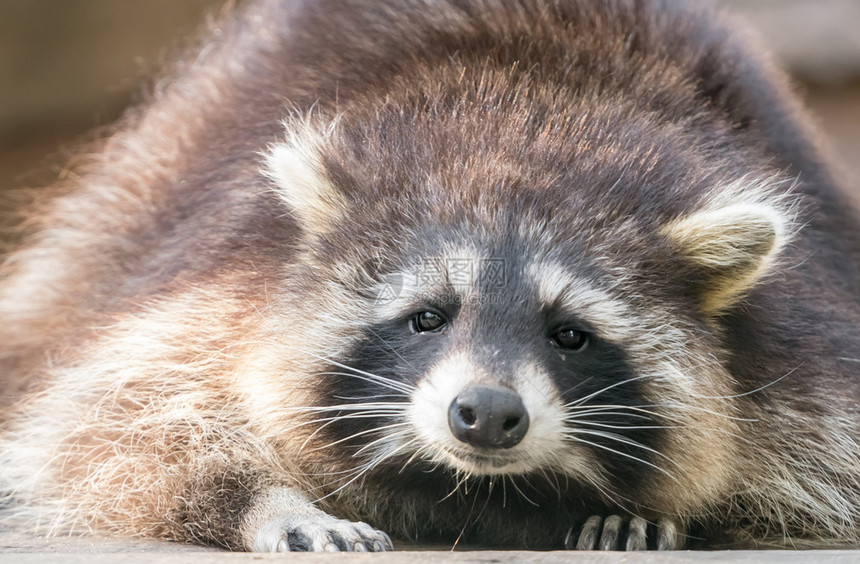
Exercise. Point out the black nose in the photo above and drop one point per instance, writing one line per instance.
(489, 417)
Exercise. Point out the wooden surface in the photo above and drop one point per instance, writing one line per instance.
(21, 549)
(488, 557)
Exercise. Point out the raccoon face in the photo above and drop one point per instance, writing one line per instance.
(506, 334)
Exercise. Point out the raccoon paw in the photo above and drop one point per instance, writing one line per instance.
(624, 533)
(319, 533)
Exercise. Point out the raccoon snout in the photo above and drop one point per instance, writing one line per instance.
(489, 417)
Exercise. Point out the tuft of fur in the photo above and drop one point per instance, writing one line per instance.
(208, 333)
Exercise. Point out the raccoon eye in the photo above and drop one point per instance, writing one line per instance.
(425, 321)
(571, 339)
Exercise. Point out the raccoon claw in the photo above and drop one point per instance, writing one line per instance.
(612, 534)
(320, 535)
(668, 535)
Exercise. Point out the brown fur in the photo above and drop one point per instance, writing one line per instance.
(165, 321)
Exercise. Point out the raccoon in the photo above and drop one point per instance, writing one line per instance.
(514, 273)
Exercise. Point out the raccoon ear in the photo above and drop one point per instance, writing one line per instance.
(732, 247)
(300, 181)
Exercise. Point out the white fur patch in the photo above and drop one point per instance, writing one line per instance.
(282, 513)
(558, 287)
(428, 411)
(297, 171)
(453, 274)
(543, 446)
(737, 236)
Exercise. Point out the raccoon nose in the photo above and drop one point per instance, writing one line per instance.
(490, 417)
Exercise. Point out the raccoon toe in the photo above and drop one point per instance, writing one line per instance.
(623, 533)
(326, 534)
(669, 535)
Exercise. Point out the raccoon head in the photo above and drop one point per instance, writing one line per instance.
(495, 318)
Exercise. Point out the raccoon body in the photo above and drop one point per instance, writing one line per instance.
(529, 274)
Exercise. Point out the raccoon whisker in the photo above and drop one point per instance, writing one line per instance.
(620, 410)
(433, 468)
(572, 388)
(557, 484)
(578, 416)
(609, 425)
(461, 477)
(373, 397)
(582, 400)
(358, 415)
(760, 388)
(351, 478)
(389, 382)
(466, 483)
(610, 494)
(685, 407)
(363, 470)
(607, 493)
(620, 439)
(393, 438)
(324, 425)
(359, 434)
(394, 384)
(349, 472)
(380, 439)
(554, 484)
(390, 454)
(491, 485)
(504, 492)
(418, 453)
(372, 414)
(641, 409)
(353, 415)
(520, 492)
(329, 421)
(580, 408)
(466, 524)
(325, 419)
(638, 408)
(529, 483)
(625, 455)
(459, 482)
(384, 342)
(424, 453)
(380, 381)
(388, 406)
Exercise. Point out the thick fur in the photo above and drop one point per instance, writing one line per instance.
(194, 344)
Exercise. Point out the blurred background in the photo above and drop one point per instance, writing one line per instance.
(67, 67)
